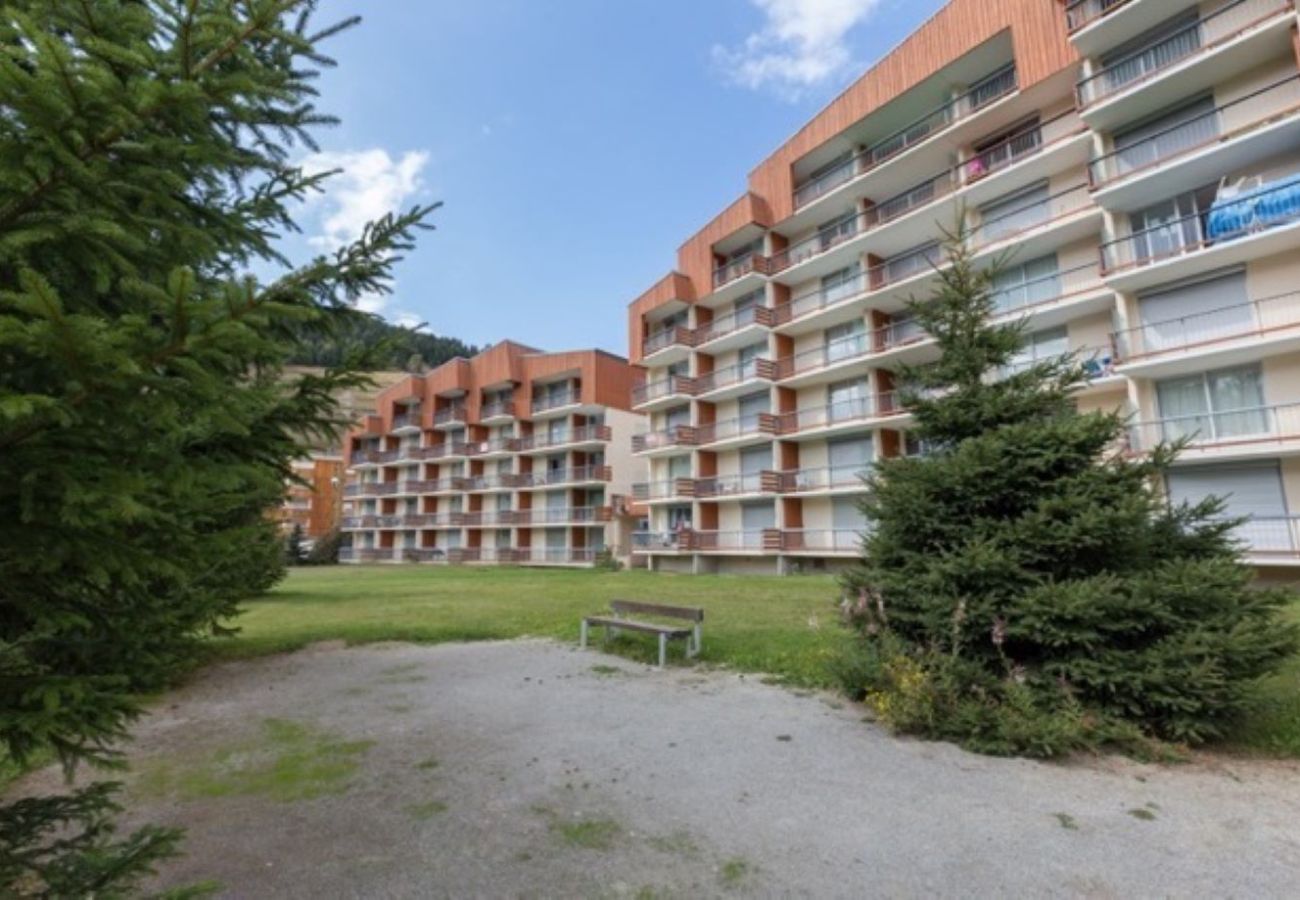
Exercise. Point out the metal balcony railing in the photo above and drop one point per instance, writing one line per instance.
(498, 409)
(989, 89)
(664, 490)
(856, 409)
(1270, 536)
(1201, 36)
(739, 268)
(738, 373)
(805, 481)
(841, 350)
(497, 445)
(728, 541)
(730, 429)
(672, 386)
(564, 515)
(1220, 428)
(574, 475)
(1267, 317)
(1271, 103)
(838, 541)
(583, 434)
(1033, 214)
(1079, 13)
(1046, 289)
(676, 436)
(678, 335)
(731, 323)
(663, 541)
(730, 485)
(408, 419)
(1254, 211)
(449, 415)
(556, 400)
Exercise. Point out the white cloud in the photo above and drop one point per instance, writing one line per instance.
(802, 44)
(371, 184)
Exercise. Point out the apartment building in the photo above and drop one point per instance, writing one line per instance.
(313, 498)
(1136, 166)
(512, 457)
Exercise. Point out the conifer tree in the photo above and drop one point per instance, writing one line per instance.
(146, 166)
(1024, 585)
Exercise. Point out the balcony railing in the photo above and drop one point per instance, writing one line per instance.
(925, 258)
(730, 485)
(675, 541)
(498, 409)
(1033, 214)
(731, 429)
(1256, 319)
(556, 555)
(1274, 102)
(841, 412)
(450, 415)
(1251, 212)
(1079, 13)
(577, 474)
(1046, 289)
(408, 419)
(351, 523)
(499, 481)
(994, 87)
(826, 239)
(739, 373)
(562, 515)
(678, 335)
(1224, 24)
(676, 436)
(664, 490)
(370, 489)
(366, 554)
(1250, 425)
(841, 350)
(731, 323)
(581, 435)
(736, 269)
(672, 386)
(837, 541)
(556, 400)
(1270, 536)
(728, 541)
(805, 481)
(497, 445)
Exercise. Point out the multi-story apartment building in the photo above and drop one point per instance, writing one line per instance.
(313, 499)
(1135, 166)
(514, 456)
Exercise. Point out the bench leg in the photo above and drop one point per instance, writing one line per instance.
(663, 650)
(693, 647)
(582, 641)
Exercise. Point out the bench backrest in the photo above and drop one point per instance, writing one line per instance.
(655, 609)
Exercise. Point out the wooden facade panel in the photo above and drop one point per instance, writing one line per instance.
(673, 286)
(695, 257)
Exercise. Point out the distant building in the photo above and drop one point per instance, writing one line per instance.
(515, 456)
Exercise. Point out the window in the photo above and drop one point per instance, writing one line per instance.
(1213, 405)
(680, 415)
(1167, 228)
(847, 400)
(1009, 215)
(1194, 311)
(1167, 135)
(1252, 491)
(679, 467)
(848, 459)
(1001, 149)
(747, 359)
(845, 341)
(751, 406)
(754, 518)
(752, 463)
(1152, 51)
(844, 283)
(904, 329)
(848, 523)
(911, 262)
(1040, 346)
(744, 310)
(992, 87)
(1025, 285)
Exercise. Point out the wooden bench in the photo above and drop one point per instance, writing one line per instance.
(618, 620)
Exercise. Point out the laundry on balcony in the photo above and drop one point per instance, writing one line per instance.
(1252, 205)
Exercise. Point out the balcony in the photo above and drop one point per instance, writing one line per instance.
(825, 480)
(745, 270)
(734, 380)
(750, 542)
(844, 542)
(1079, 13)
(370, 489)
(1234, 334)
(663, 393)
(669, 439)
(555, 403)
(1229, 138)
(983, 95)
(450, 417)
(505, 481)
(841, 416)
(556, 556)
(583, 435)
(565, 515)
(666, 346)
(1256, 222)
(353, 523)
(737, 432)
(498, 412)
(735, 329)
(1055, 144)
(366, 554)
(557, 477)
(662, 542)
(732, 486)
(824, 363)
(444, 450)
(424, 555)
(1247, 432)
(1212, 51)
(407, 422)
(671, 489)
(1039, 226)
(498, 447)
(1270, 540)
(490, 518)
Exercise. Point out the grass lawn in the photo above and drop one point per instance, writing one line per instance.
(786, 627)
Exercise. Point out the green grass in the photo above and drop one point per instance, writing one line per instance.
(1273, 728)
(783, 626)
(593, 834)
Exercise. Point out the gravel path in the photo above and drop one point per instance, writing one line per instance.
(527, 769)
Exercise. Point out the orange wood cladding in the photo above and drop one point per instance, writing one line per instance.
(604, 379)
(1041, 48)
(673, 286)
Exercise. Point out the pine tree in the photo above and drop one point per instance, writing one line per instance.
(145, 426)
(1024, 586)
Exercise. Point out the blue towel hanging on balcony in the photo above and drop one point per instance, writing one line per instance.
(1271, 203)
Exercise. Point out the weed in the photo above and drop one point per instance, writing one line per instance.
(734, 871)
(1142, 813)
(678, 842)
(422, 811)
(429, 762)
(1067, 821)
(602, 669)
(589, 834)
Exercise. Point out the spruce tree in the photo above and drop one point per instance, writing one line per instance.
(1024, 585)
(146, 166)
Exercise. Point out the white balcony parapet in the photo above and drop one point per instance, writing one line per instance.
(1258, 319)
(1274, 425)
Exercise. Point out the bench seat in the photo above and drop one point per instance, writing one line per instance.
(622, 608)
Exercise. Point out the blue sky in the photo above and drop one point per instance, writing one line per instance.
(574, 143)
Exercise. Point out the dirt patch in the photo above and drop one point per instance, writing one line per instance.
(529, 769)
